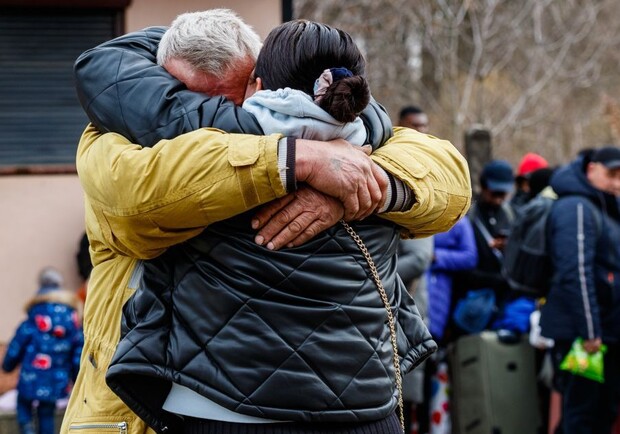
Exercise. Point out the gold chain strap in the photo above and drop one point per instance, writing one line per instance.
(386, 303)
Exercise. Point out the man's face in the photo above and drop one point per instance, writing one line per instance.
(604, 179)
(254, 85)
(417, 121)
(495, 199)
(232, 84)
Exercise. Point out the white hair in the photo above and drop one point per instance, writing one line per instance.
(211, 41)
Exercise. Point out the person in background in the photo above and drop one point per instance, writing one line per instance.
(454, 251)
(414, 117)
(414, 258)
(491, 218)
(48, 344)
(528, 164)
(584, 299)
(538, 180)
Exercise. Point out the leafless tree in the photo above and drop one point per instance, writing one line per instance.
(532, 71)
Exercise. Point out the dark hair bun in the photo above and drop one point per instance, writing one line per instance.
(346, 98)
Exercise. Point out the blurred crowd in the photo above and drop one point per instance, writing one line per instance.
(531, 276)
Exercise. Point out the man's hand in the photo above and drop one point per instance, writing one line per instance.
(343, 171)
(592, 345)
(498, 243)
(296, 218)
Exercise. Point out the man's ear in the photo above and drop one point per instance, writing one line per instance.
(259, 84)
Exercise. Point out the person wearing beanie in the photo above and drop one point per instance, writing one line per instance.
(50, 279)
(48, 345)
(530, 163)
(538, 181)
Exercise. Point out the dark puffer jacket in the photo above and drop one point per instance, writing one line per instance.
(584, 231)
(48, 345)
(298, 334)
(123, 90)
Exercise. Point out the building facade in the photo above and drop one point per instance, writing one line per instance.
(42, 217)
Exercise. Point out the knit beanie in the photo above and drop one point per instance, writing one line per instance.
(49, 279)
(531, 162)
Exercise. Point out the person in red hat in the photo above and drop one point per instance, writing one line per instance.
(529, 163)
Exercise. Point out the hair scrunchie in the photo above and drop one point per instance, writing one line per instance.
(327, 78)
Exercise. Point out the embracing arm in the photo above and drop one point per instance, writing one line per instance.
(148, 199)
(122, 89)
(430, 168)
(437, 174)
(145, 200)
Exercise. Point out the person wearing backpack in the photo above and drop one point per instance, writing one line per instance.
(584, 297)
(526, 264)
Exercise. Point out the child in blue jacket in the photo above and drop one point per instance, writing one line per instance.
(48, 344)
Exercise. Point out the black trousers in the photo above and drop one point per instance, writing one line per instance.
(389, 425)
(588, 407)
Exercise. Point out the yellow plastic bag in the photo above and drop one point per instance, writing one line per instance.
(579, 362)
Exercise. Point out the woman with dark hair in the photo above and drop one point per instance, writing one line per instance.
(227, 336)
(309, 82)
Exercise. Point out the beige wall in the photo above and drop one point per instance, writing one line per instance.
(263, 15)
(41, 222)
(42, 217)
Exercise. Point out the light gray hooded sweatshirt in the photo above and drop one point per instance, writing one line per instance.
(293, 113)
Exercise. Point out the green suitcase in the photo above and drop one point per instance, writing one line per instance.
(493, 386)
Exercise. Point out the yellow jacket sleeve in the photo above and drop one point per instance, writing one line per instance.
(437, 174)
(144, 200)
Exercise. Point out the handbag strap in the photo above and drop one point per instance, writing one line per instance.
(390, 316)
(488, 237)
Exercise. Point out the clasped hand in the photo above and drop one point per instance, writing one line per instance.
(337, 181)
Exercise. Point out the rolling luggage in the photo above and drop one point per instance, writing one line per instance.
(493, 386)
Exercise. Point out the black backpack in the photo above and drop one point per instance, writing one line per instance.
(527, 264)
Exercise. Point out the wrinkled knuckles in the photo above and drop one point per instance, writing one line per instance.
(295, 227)
(283, 217)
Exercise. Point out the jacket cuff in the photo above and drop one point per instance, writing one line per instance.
(399, 197)
(286, 163)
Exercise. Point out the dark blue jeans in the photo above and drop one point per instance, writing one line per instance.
(45, 416)
(588, 407)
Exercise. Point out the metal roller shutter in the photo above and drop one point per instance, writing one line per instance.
(40, 117)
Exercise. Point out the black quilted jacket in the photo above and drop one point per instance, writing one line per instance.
(298, 334)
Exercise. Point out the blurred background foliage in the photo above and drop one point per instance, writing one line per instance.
(540, 75)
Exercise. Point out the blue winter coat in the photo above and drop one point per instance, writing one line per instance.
(584, 236)
(455, 250)
(48, 345)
